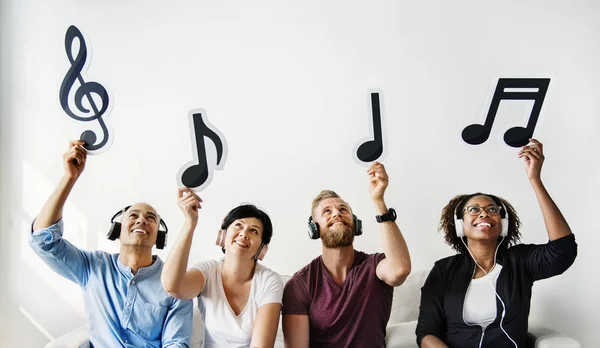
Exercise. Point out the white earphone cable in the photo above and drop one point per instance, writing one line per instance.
(492, 285)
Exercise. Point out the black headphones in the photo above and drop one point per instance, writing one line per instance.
(115, 229)
(313, 227)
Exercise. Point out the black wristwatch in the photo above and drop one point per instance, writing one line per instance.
(389, 216)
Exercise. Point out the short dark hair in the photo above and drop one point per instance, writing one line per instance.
(246, 211)
(456, 206)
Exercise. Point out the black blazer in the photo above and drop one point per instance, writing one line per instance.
(443, 294)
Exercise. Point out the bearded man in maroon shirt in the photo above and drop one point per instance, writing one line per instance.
(343, 298)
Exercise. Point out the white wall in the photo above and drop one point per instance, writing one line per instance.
(287, 85)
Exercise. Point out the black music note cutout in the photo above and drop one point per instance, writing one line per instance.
(476, 134)
(198, 174)
(370, 150)
(84, 90)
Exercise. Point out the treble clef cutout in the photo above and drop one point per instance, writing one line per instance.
(370, 150)
(84, 91)
(198, 174)
(511, 89)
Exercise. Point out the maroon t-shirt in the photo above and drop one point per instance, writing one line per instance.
(353, 314)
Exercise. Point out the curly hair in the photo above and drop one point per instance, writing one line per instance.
(454, 209)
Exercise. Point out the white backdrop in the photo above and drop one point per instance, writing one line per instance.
(287, 85)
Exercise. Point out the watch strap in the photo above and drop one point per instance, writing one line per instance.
(389, 216)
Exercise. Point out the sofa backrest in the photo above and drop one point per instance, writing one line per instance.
(407, 298)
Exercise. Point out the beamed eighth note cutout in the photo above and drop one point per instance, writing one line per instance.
(511, 89)
(85, 91)
(197, 175)
(370, 150)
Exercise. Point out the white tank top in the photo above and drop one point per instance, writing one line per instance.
(480, 301)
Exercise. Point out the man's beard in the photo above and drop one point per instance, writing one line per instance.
(338, 237)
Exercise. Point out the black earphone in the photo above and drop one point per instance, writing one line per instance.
(313, 227)
(115, 229)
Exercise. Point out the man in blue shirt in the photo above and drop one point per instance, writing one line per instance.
(125, 303)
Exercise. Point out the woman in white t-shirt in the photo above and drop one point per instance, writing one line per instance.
(240, 299)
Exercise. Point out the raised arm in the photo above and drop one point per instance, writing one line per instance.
(74, 163)
(396, 266)
(176, 279)
(533, 158)
(46, 240)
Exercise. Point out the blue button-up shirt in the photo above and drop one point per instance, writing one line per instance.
(123, 310)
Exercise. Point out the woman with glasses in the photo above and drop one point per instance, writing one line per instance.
(481, 296)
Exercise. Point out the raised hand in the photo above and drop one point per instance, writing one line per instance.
(533, 158)
(74, 163)
(74, 159)
(378, 181)
(189, 203)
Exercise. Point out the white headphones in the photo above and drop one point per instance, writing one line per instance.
(458, 222)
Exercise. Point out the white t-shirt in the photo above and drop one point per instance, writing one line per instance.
(222, 328)
(480, 301)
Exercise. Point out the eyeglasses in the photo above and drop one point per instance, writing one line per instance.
(476, 210)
